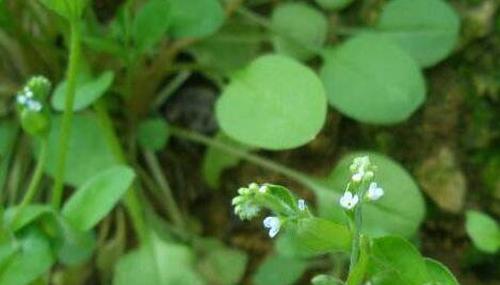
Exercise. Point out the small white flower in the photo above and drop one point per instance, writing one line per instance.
(33, 105)
(374, 192)
(348, 200)
(263, 189)
(302, 204)
(273, 224)
(27, 92)
(21, 99)
(358, 176)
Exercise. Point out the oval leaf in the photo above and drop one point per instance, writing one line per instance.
(439, 274)
(427, 37)
(151, 24)
(372, 80)
(279, 270)
(94, 199)
(301, 30)
(399, 211)
(198, 18)
(275, 103)
(483, 230)
(87, 92)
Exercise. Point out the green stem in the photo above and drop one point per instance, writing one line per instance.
(64, 135)
(358, 272)
(35, 180)
(132, 201)
(255, 159)
(172, 209)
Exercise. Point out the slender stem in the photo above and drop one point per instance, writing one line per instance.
(171, 88)
(35, 180)
(172, 208)
(64, 135)
(132, 201)
(255, 159)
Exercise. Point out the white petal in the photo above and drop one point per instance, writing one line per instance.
(271, 222)
(356, 177)
(355, 200)
(302, 204)
(274, 231)
(263, 189)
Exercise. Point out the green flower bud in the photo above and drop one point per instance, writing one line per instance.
(35, 123)
(40, 86)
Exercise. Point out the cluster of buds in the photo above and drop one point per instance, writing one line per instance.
(252, 199)
(362, 173)
(31, 107)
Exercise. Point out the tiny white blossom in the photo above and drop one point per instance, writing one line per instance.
(27, 92)
(374, 192)
(273, 224)
(263, 189)
(348, 200)
(33, 105)
(302, 204)
(356, 177)
(21, 99)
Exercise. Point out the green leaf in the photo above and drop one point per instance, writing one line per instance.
(483, 230)
(222, 265)
(275, 103)
(216, 161)
(33, 259)
(372, 80)
(151, 24)
(75, 246)
(314, 236)
(402, 259)
(439, 274)
(300, 30)
(69, 9)
(157, 263)
(279, 270)
(427, 37)
(334, 4)
(196, 19)
(400, 211)
(8, 134)
(88, 152)
(231, 48)
(30, 214)
(323, 279)
(88, 90)
(153, 134)
(94, 199)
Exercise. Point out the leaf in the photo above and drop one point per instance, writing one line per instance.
(195, 19)
(94, 199)
(313, 236)
(88, 90)
(323, 279)
(30, 214)
(157, 263)
(427, 37)
(33, 259)
(231, 48)
(69, 9)
(372, 80)
(439, 274)
(153, 134)
(400, 211)
(401, 258)
(75, 246)
(300, 30)
(334, 4)
(279, 270)
(483, 230)
(88, 152)
(151, 24)
(274, 103)
(221, 264)
(8, 134)
(216, 161)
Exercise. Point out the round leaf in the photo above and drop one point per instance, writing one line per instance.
(87, 92)
(483, 230)
(153, 134)
(151, 24)
(439, 274)
(300, 30)
(372, 80)
(198, 18)
(427, 36)
(88, 152)
(399, 211)
(94, 199)
(275, 103)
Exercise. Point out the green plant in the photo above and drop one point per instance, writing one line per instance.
(94, 138)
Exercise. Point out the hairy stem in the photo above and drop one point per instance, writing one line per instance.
(65, 132)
